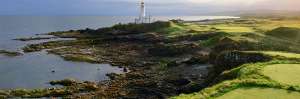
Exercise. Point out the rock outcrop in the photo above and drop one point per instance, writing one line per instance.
(231, 59)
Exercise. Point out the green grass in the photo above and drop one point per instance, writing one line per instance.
(249, 25)
(284, 54)
(197, 27)
(173, 30)
(213, 40)
(277, 53)
(288, 33)
(284, 73)
(249, 33)
(241, 32)
(276, 76)
(189, 96)
(272, 24)
(254, 77)
(260, 93)
(229, 28)
(234, 29)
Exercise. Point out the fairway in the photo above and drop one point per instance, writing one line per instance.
(284, 73)
(260, 93)
(284, 54)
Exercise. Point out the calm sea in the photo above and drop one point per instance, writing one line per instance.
(33, 70)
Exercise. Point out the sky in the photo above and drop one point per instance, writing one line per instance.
(130, 7)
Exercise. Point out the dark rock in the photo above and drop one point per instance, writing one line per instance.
(125, 70)
(173, 63)
(112, 76)
(144, 93)
(178, 81)
(151, 37)
(173, 50)
(194, 37)
(231, 59)
(225, 44)
(190, 88)
(59, 93)
(132, 28)
(90, 86)
(136, 75)
(65, 82)
(10, 53)
(198, 60)
(34, 38)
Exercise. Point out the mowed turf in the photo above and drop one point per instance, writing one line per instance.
(260, 93)
(284, 73)
(284, 54)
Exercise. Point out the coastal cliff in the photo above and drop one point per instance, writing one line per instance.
(166, 59)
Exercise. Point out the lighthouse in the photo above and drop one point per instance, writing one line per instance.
(142, 10)
(142, 16)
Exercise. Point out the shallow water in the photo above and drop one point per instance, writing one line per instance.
(33, 70)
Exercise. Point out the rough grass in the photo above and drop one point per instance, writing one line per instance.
(252, 32)
(80, 58)
(213, 40)
(260, 93)
(284, 73)
(234, 29)
(272, 24)
(220, 28)
(285, 54)
(289, 33)
(249, 33)
(253, 76)
(174, 30)
(276, 54)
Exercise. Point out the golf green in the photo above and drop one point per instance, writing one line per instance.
(284, 73)
(260, 93)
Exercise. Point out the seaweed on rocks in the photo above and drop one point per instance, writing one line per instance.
(10, 53)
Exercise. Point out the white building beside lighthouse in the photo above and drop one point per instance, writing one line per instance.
(142, 16)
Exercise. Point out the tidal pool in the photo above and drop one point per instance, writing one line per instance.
(35, 70)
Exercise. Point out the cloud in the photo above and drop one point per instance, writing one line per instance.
(130, 7)
(283, 3)
(216, 2)
(227, 2)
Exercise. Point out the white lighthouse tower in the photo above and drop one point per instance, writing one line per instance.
(143, 10)
(142, 17)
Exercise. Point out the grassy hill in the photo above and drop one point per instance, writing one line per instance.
(289, 33)
(276, 78)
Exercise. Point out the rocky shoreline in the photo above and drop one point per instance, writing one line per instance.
(161, 59)
(34, 38)
(157, 67)
(10, 53)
